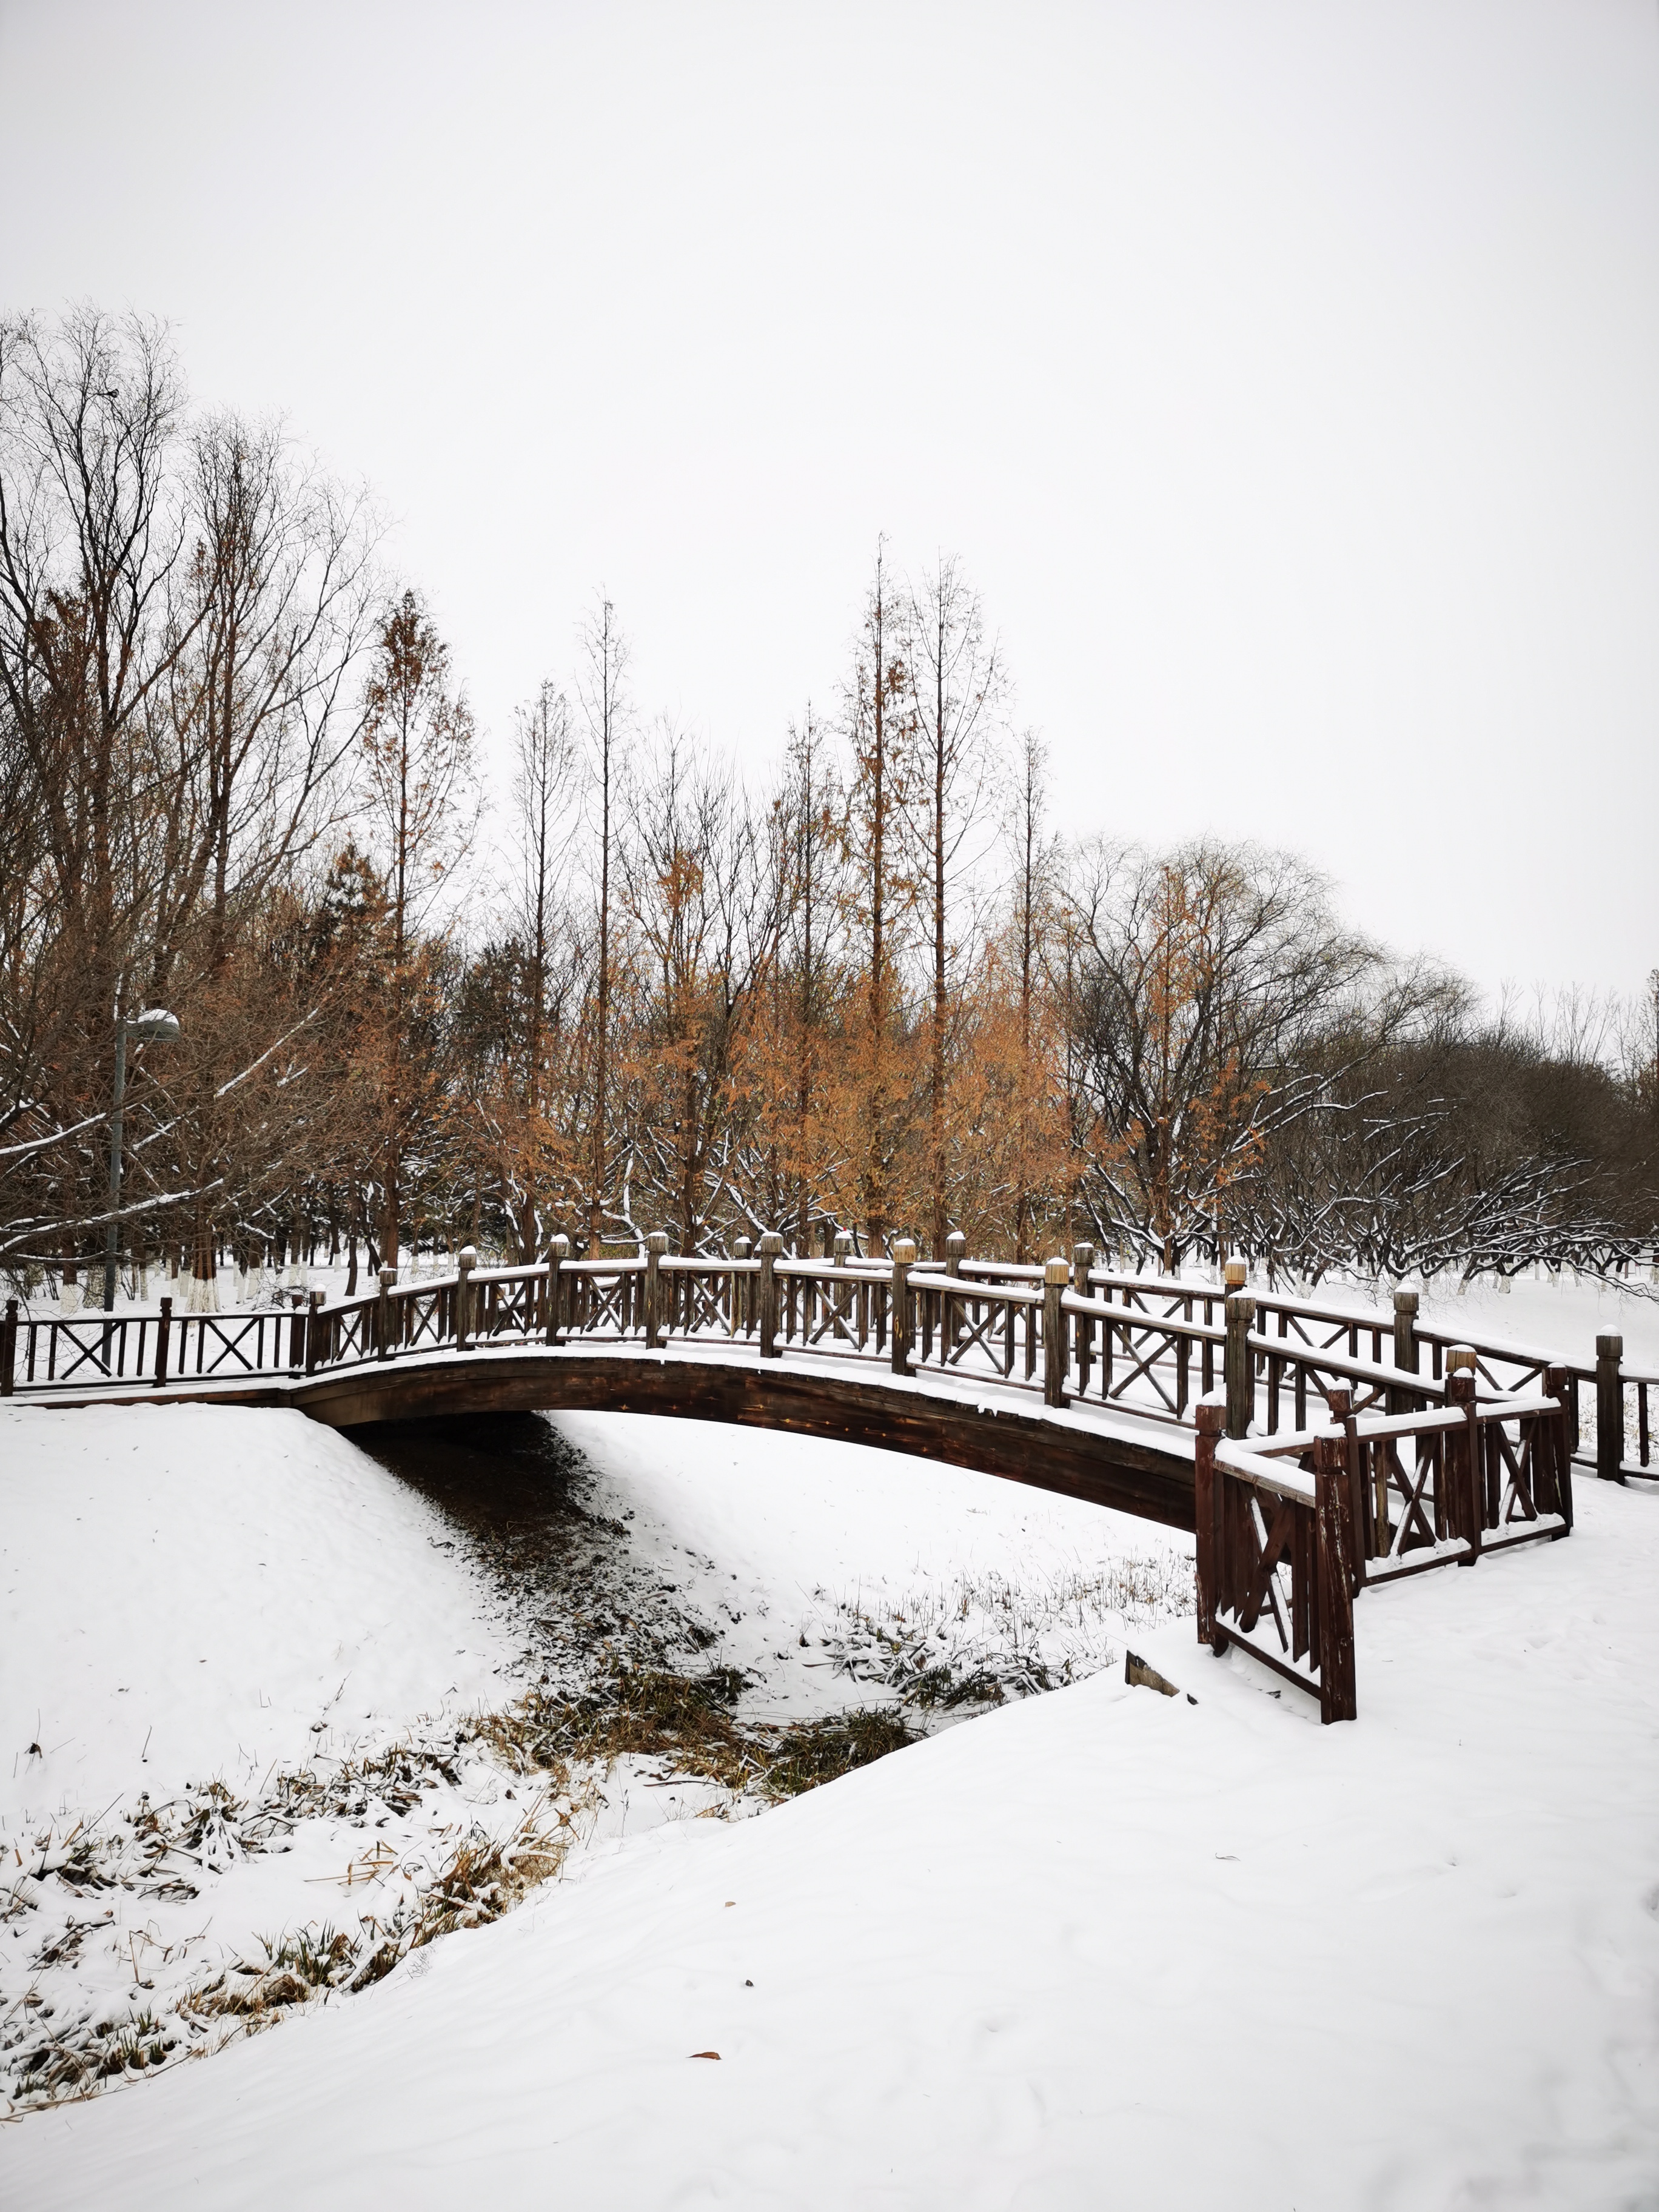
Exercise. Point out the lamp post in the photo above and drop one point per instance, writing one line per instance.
(154, 1026)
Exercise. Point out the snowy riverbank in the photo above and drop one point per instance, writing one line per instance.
(279, 1708)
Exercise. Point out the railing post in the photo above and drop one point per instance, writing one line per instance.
(9, 1349)
(314, 1331)
(905, 1254)
(1460, 1391)
(163, 1331)
(1609, 1408)
(843, 1293)
(1333, 1551)
(1240, 1362)
(655, 1245)
(1555, 1383)
(558, 1253)
(1056, 1275)
(466, 1261)
(1083, 1261)
(1404, 1345)
(1211, 1418)
(1338, 1404)
(955, 1251)
(770, 1245)
(383, 1314)
(741, 1249)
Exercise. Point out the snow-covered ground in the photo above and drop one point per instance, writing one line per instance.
(1094, 1947)
(1560, 1314)
(246, 1668)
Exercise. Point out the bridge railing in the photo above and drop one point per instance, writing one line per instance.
(1078, 1334)
(80, 1353)
(1291, 1528)
(1274, 1554)
(1614, 1391)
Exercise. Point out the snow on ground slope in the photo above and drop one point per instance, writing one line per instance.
(1098, 1949)
(1558, 1314)
(189, 1593)
(872, 1555)
(244, 1658)
(198, 1608)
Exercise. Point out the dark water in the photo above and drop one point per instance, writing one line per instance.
(523, 1503)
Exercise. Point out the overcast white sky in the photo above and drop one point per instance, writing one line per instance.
(1287, 375)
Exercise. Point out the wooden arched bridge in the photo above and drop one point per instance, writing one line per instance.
(1315, 1451)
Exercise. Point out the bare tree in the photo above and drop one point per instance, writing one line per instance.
(1204, 975)
(91, 528)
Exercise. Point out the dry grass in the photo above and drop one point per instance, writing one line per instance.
(686, 1722)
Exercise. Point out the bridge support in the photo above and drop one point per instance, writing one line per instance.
(553, 1321)
(1056, 1278)
(1610, 1408)
(770, 1245)
(1404, 1345)
(904, 1255)
(655, 1245)
(1241, 1365)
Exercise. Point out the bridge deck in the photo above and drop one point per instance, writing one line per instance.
(1135, 1463)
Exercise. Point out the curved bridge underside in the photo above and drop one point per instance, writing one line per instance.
(1143, 1467)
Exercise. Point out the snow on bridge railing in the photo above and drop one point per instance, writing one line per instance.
(1291, 1528)
(1082, 1335)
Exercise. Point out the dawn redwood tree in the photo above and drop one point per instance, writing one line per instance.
(881, 733)
(419, 780)
(602, 690)
(957, 687)
(518, 1034)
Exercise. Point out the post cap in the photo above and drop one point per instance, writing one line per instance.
(844, 1243)
(956, 1242)
(1083, 1257)
(771, 1241)
(657, 1240)
(317, 1297)
(1460, 1359)
(388, 1274)
(467, 1258)
(742, 1247)
(1241, 1306)
(1210, 1414)
(902, 1251)
(562, 1248)
(1235, 1274)
(1609, 1347)
(1056, 1270)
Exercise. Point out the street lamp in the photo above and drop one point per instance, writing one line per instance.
(154, 1026)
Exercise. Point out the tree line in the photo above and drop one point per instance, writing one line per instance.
(879, 991)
